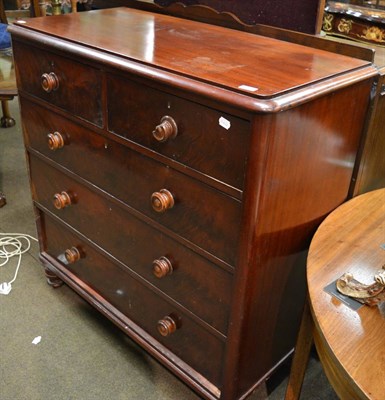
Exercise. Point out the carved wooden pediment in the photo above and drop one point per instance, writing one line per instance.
(298, 15)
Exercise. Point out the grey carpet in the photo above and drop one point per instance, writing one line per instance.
(81, 356)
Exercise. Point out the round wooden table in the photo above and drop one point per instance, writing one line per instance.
(350, 344)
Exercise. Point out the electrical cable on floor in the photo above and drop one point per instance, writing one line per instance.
(10, 246)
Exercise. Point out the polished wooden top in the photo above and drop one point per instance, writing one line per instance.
(379, 55)
(259, 66)
(350, 239)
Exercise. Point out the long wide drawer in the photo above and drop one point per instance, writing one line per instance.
(184, 337)
(191, 280)
(199, 213)
(210, 141)
(55, 79)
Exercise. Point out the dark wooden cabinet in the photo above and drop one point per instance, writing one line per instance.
(178, 172)
(364, 23)
(359, 20)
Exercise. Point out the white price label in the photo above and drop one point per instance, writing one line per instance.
(224, 123)
(248, 88)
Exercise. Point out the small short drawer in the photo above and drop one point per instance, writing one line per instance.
(207, 140)
(65, 83)
(164, 321)
(191, 280)
(202, 215)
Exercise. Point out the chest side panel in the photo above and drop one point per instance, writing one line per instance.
(300, 171)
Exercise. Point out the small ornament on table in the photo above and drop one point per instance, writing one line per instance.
(371, 295)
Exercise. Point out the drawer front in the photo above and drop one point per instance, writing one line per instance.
(201, 214)
(188, 278)
(207, 140)
(69, 85)
(190, 342)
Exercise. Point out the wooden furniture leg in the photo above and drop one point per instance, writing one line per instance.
(301, 355)
(6, 120)
(52, 279)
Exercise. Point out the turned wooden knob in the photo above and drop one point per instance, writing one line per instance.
(49, 82)
(167, 129)
(72, 255)
(167, 326)
(162, 200)
(62, 200)
(162, 267)
(55, 141)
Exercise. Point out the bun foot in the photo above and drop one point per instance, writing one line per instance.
(52, 279)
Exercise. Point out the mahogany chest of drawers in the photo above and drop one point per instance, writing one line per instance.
(178, 171)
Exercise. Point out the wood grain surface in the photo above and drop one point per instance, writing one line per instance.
(226, 57)
(371, 169)
(246, 200)
(350, 343)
